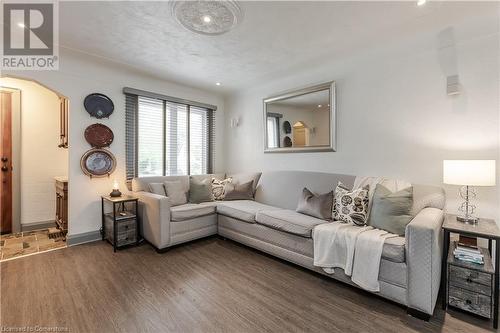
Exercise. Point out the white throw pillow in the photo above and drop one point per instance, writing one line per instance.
(175, 192)
(351, 206)
(219, 188)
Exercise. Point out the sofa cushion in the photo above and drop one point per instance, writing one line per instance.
(190, 211)
(394, 249)
(175, 192)
(391, 210)
(288, 221)
(200, 191)
(244, 210)
(245, 177)
(239, 191)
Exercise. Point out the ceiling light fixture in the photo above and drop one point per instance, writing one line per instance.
(319, 105)
(223, 15)
(21, 25)
(217, 83)
(421, 2)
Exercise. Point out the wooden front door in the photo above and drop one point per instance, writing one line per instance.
(6, 163)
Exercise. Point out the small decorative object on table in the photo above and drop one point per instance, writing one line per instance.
(120, 222)
(469, 280)
(116, 190)
(469, 173)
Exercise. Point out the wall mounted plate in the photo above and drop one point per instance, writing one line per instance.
(287, 128)
(98, 162)
(99, 135)
(99, 105)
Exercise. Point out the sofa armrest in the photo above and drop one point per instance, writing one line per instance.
(154, 211)
(424, 252)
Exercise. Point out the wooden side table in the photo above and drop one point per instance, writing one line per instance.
(120, 222)
(472, 286)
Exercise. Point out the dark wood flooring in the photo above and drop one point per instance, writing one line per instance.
(209, 285)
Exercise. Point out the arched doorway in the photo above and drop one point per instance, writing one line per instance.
(34, 168)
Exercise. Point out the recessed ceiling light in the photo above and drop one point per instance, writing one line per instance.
(217, 83)
(207, 19)
(421, 2)
(319, 105)
(21, 25)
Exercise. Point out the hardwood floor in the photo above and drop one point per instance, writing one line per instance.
(209, 285)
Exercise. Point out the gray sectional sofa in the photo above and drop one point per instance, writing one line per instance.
(410, 268)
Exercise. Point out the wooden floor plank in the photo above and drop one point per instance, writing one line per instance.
(209, 285)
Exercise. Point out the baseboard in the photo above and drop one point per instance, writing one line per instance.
(84, 237)
(38, 225)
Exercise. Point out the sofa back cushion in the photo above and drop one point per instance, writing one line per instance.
(142, 183)
(284, 188)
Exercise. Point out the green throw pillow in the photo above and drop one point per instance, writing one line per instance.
(200, 191)
(391, 210)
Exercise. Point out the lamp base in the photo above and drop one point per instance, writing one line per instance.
(468, 219)
(115, 193)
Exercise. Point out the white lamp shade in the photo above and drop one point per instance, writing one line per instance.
(469, 172)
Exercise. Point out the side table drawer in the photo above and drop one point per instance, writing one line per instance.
(126, 232)
(471, 280)
(470, 301)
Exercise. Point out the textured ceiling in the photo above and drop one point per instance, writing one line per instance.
(274, 37)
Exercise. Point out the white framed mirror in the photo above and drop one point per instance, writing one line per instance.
(302, 120)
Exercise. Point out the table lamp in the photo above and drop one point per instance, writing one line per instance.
(469, 173)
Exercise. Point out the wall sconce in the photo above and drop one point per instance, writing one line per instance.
(235, 122)
(452, 85)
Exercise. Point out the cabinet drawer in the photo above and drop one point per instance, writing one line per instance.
(123, 226)
(126, 232)
(470, 301)
(471, 280)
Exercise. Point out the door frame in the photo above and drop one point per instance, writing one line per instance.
(17, 198)
(16, 108)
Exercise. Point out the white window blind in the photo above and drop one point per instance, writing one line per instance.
(150, 137)
(167, 138)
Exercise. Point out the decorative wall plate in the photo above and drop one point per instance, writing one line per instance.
(287, 128)
(287, 142)
(99, 105)
(99, 135)
(98, 162)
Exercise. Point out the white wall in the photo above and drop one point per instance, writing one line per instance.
(80, 75)
(394, 116)
(41, 158)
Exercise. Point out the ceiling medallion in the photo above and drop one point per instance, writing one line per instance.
(209, 17)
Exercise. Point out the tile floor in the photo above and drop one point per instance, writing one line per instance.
(26, 243)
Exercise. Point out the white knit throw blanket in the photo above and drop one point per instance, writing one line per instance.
(357, 250)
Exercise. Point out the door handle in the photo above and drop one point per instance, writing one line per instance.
(5, 169)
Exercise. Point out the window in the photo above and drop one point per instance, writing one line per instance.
(166, 137)
(273, 129)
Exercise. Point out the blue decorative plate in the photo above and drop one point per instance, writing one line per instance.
(98, 163)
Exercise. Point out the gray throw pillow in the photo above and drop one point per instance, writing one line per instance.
(319, 206)
(200, 191)
(176, 192)
(391, 210)
(239, 191)
(157, 188)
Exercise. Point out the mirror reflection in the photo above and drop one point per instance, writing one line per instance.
(299, 121)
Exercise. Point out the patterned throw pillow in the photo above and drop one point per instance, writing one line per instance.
(219, 188)
(351, 206)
